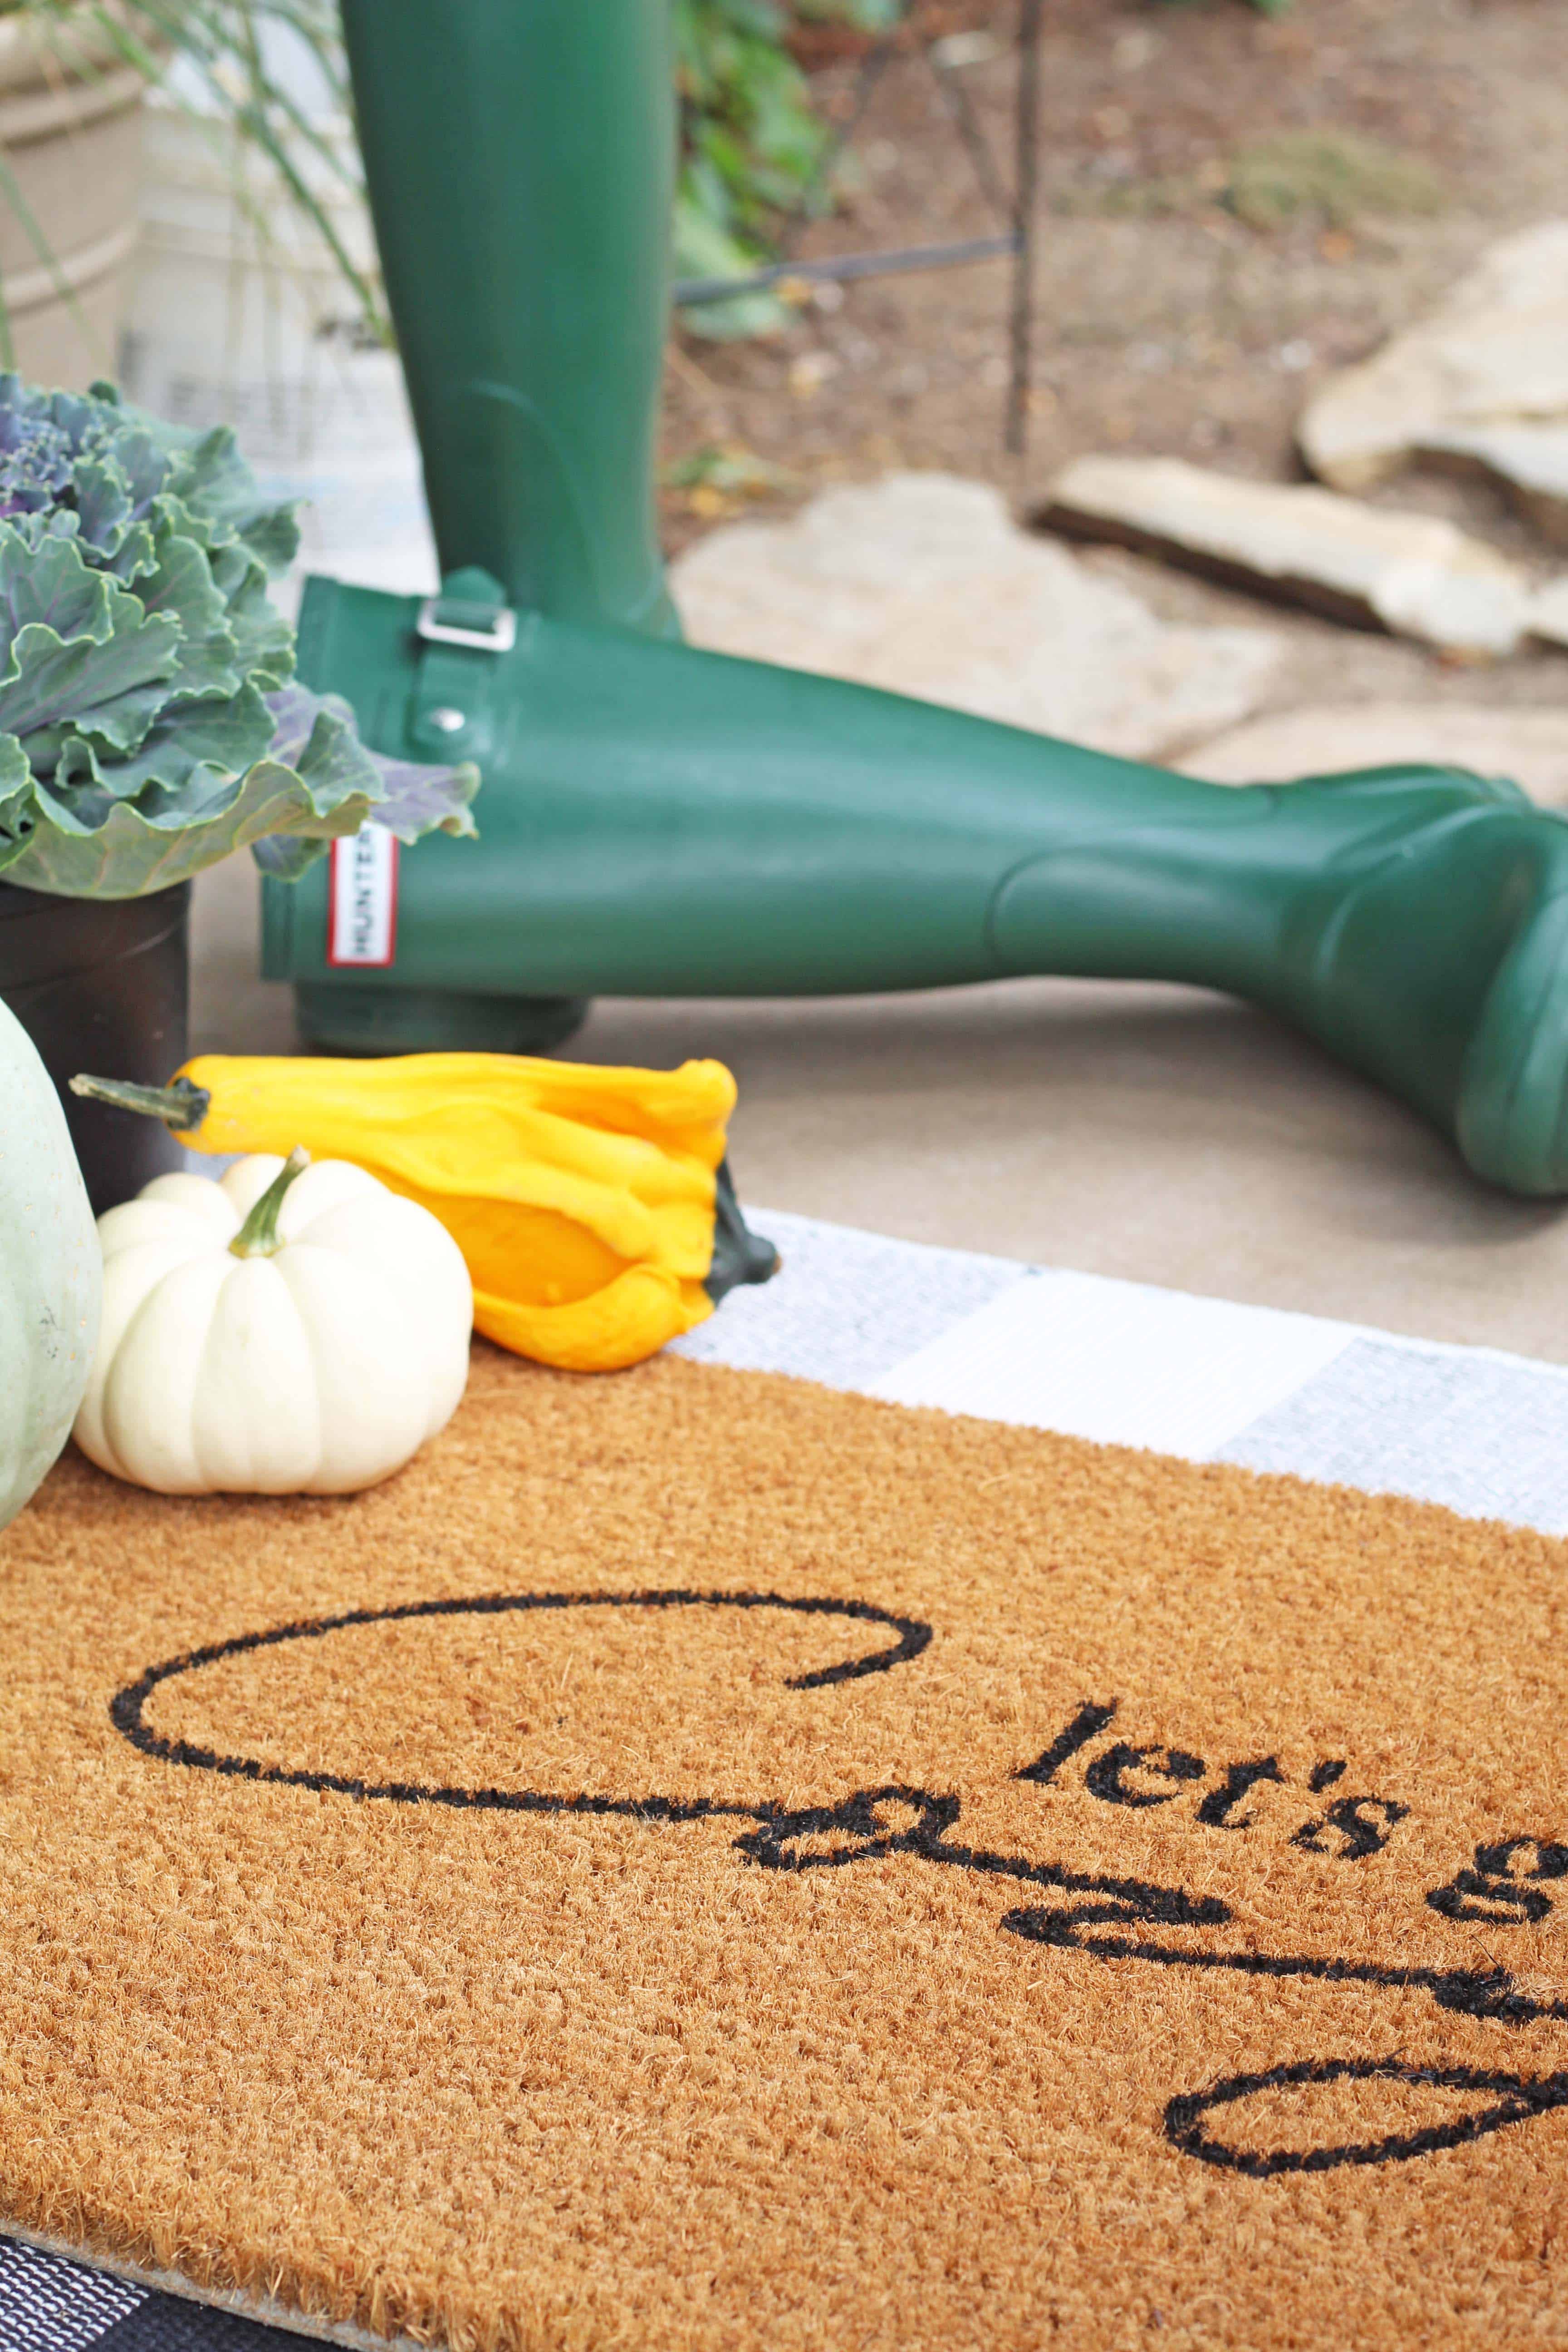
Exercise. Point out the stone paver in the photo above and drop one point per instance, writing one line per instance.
(1417, 575)
(1481, 383)
(1326, 739)
(923, 584)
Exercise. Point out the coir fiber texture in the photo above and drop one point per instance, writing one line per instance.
(698, 1861)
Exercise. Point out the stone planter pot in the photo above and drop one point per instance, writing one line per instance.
(102, 985)
(71, 117)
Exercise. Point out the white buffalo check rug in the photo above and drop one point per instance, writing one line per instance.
(1484, 1433)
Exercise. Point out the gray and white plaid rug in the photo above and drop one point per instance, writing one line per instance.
(1484, 1433)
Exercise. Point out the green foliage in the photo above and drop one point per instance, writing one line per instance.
(1327, 175)
(752, 145)
(1331, 179)
(723, 478)
(148, 726)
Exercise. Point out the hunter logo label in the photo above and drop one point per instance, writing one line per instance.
(700, 1860)
(362, 902)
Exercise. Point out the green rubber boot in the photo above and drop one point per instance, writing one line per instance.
(520, 164)
(519, 156)
(1415, 922)
(657, 821)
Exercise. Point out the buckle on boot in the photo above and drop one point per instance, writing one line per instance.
(457, 621)
(460, 634)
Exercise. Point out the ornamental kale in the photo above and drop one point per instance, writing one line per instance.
(148, 726)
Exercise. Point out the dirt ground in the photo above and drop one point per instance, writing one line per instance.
(1166, 322)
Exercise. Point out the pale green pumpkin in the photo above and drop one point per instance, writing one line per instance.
(50, 1273)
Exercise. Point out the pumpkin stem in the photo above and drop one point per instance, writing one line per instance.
(739, 1255)
(181, 1107)
(257, 1237)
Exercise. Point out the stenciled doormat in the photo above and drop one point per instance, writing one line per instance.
(701, 1861)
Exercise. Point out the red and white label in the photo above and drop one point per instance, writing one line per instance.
(362, 906)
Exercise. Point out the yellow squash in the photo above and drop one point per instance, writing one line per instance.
(593, 1206)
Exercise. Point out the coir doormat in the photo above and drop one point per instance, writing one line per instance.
(700, 1861)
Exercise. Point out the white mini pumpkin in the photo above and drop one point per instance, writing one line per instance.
(287, 1330)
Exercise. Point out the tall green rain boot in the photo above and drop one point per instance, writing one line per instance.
(657, 821)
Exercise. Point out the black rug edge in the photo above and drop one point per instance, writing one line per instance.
(171, 2320)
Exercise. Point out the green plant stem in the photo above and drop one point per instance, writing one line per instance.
(755, 150)
(182, 1106)
(739, 1255)
(257, 1237)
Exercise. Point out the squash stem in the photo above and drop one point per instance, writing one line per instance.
(257, 1237)
(739, 1255)
(181, 1107)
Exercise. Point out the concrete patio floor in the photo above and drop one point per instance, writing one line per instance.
(1161, 1134)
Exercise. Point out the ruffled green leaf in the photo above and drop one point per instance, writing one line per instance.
(182, 589)
(42, 579)
(316, 733)
(264, 642)
(418, 799)
(212, 482)
(318, 785)
(333, 761)
(224, 738)
(114, 494)
(130, 854)
(16, 807)
(99, 686)
(147, 724)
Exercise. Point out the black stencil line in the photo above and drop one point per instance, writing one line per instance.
(773, 1842)
(1490, 1993)
(778, 1842)
(1485, 1994)
(127, 1709)
(776, 1845)
(1523, 2098)
(1087, 1724)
